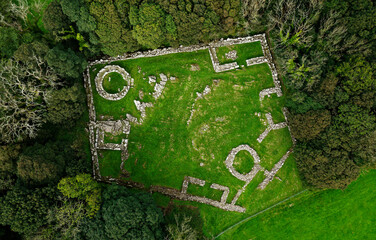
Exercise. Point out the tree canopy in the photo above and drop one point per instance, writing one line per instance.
(125, 215)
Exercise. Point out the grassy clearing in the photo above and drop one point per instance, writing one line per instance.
(330, 214)
(164, 148)
(113, 82)
(109, 162)
(243, 162)
(244, 52)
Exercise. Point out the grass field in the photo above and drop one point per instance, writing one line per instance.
(165, 149)
(330, 214)
(113, 82)
(244, 52)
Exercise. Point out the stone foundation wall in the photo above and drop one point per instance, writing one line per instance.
(93, 128)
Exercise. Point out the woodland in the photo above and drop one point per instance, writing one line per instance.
(323, 50)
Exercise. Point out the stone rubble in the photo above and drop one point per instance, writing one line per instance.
(181, 49)
(232, 55)
(96, 129)
(188, 180)
(131, 118)
(277, 85)
(238, 193)
(103, 73)
(141, 107)
(267, 92)
(230, 161)
(256, 60)
(152, 79)
(271, 126)
(158, 88)
(220, 67)
(195, 67)
(206, 91)
(271, 174)
(113, 127)
(188, 197)
(287, 114)
(225, 190)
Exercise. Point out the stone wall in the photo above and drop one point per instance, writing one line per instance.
(94, 130)
(103, 73)
(217, 66)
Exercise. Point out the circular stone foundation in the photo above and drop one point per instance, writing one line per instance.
(230, 162)
(103, 73)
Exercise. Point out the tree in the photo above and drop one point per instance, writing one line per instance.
(307, 126)
(25, 210)
(22, 106)
(14, 13)
(125, 215)
(357, 76)
(251, 10)
(27, 51)
(65, 221)
(65, 105)
(83, 187)
(365, 153)
(355, 121)
(66, 62)
(323, 170)
(53, 17)
(41, 164)
(78, 12)
(181, 229)
(7, 181)
(8, 156)
(9, 41)
(113, 31)
(171, 27)
(149, 25)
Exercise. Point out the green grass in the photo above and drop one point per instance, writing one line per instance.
(244, 52)
(109, 163)
(113, 82)
(330, 214)
(243, 162)
(164, 148)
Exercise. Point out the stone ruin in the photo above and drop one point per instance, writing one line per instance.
(97, 129)
(271, 126)
(232, 55)
(158, 88)
(103, 73)
(220, 67)
(206, 91)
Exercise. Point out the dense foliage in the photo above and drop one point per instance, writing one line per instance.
(125, 215)
(325, 52)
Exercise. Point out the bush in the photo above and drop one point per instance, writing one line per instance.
(125, 215)
(66, 62)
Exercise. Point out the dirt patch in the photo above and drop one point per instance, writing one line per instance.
(195, 67)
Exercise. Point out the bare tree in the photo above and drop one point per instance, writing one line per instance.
(335, 39)
(182, 229)
(251, 9)
(295, 19)
(20, 10)
(23, 90)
